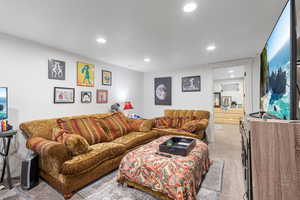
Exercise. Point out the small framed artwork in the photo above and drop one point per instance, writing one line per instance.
(226, 101)
(163, 91)
(85, 74)
(191, 84)
(102, 96)
(56, 69)
(217, 99)
(86, 97)
(106, 78)
(64, 95)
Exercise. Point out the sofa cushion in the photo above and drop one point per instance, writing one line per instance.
(134, 139)
(162, 122)
(115, 125)
(178, 122)
(98, 154)
(75, 144)
(195, 125)
(142, 125)
(86, 128)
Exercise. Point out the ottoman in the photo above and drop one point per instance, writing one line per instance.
(175, 177)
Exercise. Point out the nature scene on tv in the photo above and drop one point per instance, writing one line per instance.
(276, 69)
(3, 103)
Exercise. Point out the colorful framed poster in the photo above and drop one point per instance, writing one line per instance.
(163, 91)
(85, 74)
(106, 78)
(56, 69)
(86, 97)
(102, 96)
(64, 95)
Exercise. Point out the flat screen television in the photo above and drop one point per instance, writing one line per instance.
(3, 103)
(278, 67)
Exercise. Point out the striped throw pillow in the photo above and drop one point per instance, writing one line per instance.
(85, 127)
(115, 125)
(142, 125)
(163, 122)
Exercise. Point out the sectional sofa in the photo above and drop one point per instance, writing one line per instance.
(75, 151)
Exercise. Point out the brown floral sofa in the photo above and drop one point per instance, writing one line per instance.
(192, 123)
(74, 151)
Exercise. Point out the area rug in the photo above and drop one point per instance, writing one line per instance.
(106, 188)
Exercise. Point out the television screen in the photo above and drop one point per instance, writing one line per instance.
(277, 62)
(3, 103)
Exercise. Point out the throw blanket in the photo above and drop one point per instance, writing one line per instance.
(178, 177)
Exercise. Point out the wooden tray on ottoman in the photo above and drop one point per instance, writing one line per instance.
(178, 146)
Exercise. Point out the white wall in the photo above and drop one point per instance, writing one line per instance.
(180, 100)
(24, 70)
(197, 100)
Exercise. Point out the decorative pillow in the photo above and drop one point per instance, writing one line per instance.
(178, 122)
(114, 126)
(163, 122)
(85, 127)
(142, 125)
(75, 143)
(195, 125)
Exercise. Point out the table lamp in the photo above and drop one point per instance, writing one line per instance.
(128, 105)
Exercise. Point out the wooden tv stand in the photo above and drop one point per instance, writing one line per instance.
(273, 169)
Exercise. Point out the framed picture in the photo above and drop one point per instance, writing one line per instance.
(102, 96)
(226, 101)
(106, 78)
(64, 95)
(163, 91)
(56, 69)
(85, 74)
(191, 84)
(217, 99)
(86, 97)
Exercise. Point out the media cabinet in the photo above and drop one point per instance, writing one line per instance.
(271, 159)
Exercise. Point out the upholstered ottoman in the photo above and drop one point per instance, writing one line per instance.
(175, 177)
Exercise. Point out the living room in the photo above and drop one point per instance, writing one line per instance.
(191, 63)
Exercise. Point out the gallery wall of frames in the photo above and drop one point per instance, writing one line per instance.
(85, 77)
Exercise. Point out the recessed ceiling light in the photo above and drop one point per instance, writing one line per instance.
(211, 48)
(147, 59)
(101, 40)
(230, 71)
(189, 7)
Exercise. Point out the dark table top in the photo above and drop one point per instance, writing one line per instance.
(8, 133)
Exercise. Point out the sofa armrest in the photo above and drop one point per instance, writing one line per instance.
(52, 154)
(195, 125)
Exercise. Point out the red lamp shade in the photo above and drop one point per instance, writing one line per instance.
(128, 105)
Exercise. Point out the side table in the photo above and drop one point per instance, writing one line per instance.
(6, 138)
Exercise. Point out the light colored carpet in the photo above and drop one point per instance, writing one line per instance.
(106, 188)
